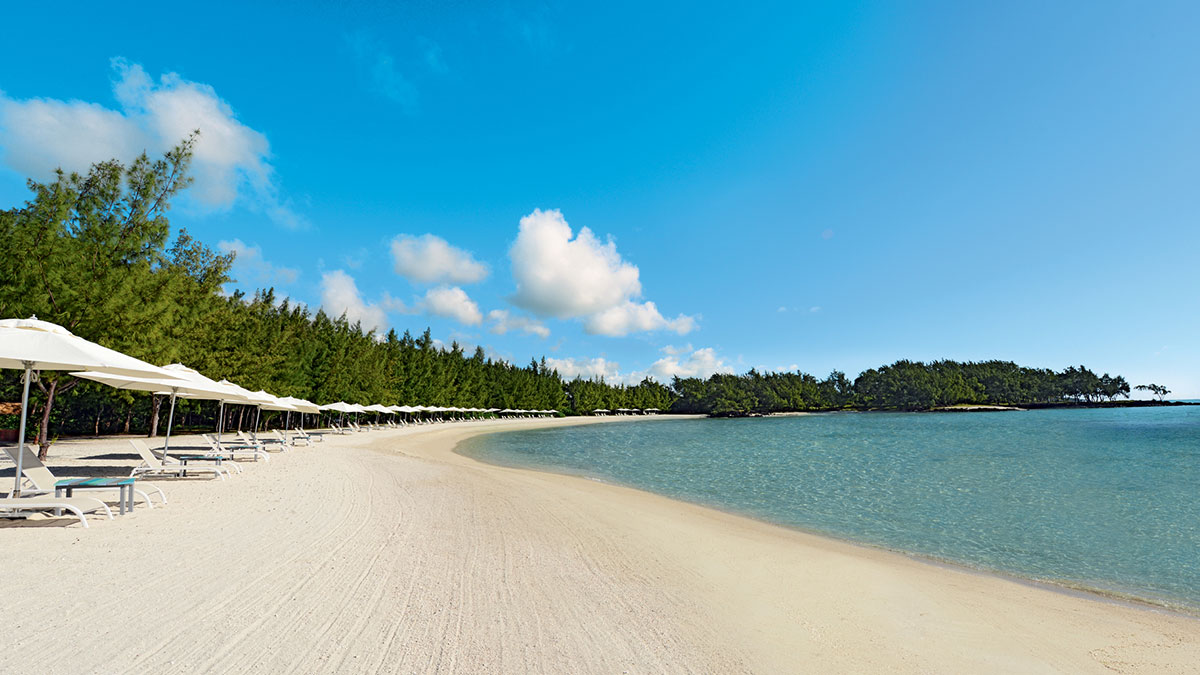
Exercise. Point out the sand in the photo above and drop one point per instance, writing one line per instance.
(387, 552)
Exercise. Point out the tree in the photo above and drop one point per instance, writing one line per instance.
(84, 253)
(1156, 389)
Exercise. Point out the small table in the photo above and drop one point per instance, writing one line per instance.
(125, 485)
(184, 459)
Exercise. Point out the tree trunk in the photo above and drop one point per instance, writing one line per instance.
(128, 418)
(96, 430)
(155, 404)
(43, 440)
(241, 414)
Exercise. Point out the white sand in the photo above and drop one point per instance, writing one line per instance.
(387, 552)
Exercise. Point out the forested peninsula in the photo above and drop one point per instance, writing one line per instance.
(95, 253)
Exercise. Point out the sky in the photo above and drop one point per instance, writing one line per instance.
(675, 189)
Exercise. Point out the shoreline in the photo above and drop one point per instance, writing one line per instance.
(1072, 589)
(390, 551)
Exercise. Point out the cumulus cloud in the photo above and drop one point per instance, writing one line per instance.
(249, 266)
(632, 317)
(588, 369)
(430, 259)
(452, 302)
(563, 275)
(339, 295)
(672, 350)
(700, 363)
(504, 321)
(230, 163)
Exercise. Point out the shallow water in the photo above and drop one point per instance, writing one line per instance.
(1105, 499)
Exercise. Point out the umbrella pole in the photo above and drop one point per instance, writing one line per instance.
(220, 421)
(21, 438)
(257, 412)
(170, 416)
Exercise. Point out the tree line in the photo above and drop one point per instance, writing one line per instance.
(903, 385)
(95, 253)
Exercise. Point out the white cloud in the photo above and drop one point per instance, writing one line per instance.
(390, 304)
(701, 363)
(430, 259)
(672, 350)
(632, 317)
(452, 302)
(588, 369)
(504, 321)
(339, 295)
(230, 162)
(564, 275)
(249, 266)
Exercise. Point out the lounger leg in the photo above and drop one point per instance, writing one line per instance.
(145, 498)
(82, 518)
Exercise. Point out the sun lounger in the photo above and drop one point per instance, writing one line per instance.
(262, 443)
(311, 438)
(154, 465)
(235, 449)
(296, 438)
(76, 505)
(44, 482)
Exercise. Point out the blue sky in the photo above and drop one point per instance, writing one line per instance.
(811, 185)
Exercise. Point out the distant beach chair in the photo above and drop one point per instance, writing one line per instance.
(262, 443)
(155, 465)
(311, 438)
(43, 480)
(296, 438)
(234, 450)
(76, 505)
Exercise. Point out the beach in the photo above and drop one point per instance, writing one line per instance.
(386, 551)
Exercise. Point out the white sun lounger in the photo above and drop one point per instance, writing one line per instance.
(154, 465)
(43, 480)
(76, 505)
(296, 438)
(235, 449)
(311, 438)
(263, 444)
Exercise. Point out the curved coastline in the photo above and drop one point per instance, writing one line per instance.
(1071, 588)
(391, 552)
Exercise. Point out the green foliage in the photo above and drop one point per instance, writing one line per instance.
(903, 385)
(92, 253)
(1156, 389)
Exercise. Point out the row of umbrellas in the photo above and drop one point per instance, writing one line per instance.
(34, 345)
(342, 406)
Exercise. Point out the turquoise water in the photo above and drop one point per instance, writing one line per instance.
(1104, 499)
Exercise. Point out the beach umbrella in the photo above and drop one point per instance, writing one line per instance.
(340, 406)
(31, 344)
(168, 383)
(222, 392)
(378, 409)
(277, 404)
(302, 407)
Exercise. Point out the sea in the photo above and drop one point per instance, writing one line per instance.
(1106, 500)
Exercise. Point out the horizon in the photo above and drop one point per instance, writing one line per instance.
(787, 187)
